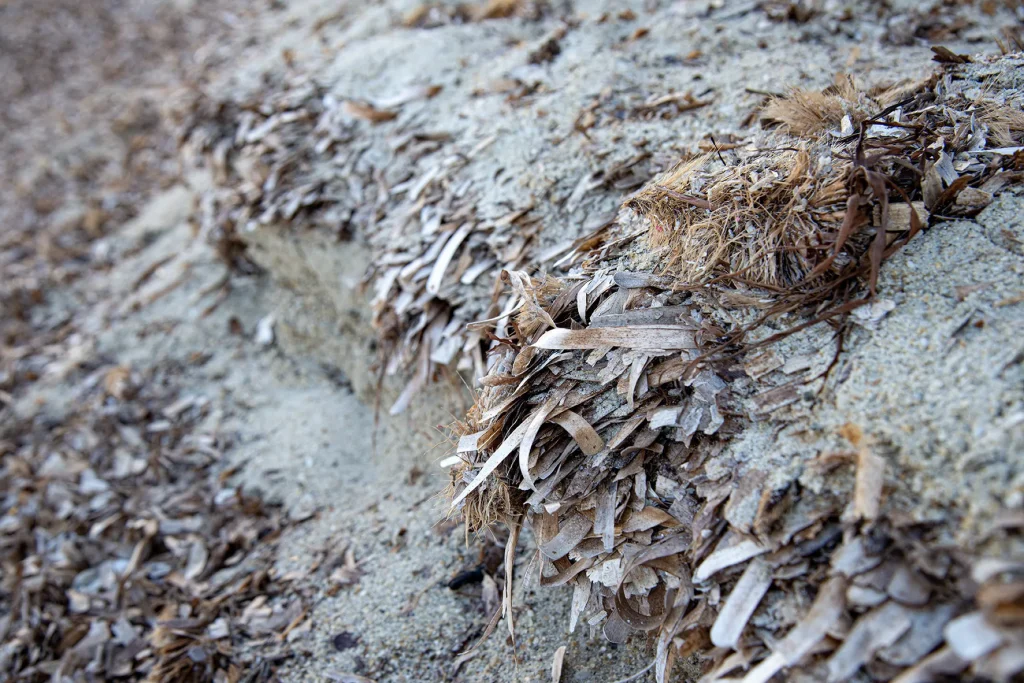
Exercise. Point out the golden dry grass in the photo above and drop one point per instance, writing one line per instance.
(1005, 124)
(762, 222)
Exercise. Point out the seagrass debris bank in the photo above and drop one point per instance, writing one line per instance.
(614, 392)
(298, 156)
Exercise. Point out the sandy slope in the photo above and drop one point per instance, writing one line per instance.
(299, 412)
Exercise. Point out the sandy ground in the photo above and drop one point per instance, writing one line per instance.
(299, 411)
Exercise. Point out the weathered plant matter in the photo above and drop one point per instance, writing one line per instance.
(608, 412)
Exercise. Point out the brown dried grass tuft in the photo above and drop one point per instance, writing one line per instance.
(812, 112)
(764, 222)
(1005, 124)
(493, 506)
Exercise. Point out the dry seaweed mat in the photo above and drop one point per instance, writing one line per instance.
(613, 394)
(125, 554)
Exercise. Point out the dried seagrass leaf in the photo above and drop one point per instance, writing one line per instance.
(582, 432)
(1001, 665)
(648, 518)
(853, 558)
(510, 562)
(947, 56)
(414, 385)
(556, 665)
(536, 421)
(875, 630)
(665, 654)
(367, 112)
(741, 603)
(445, 257)
(636, 620)
(971, 636)
(410, 94)
(570, 533)
(909, 587)
(628, 280)
(730, 551)
(666, 372)
(864, 596)
(580, 597)
(635, 374)
(544, 489)
(989, 567)
(1002, 602)
(943, 662)
(771, 400)
(523, 359)
(867, 496)
(339, 677)
(650, 337)
(531, 381)
(826, 610)
(615, 629)
(663, 315)
(760, 364)
(925, 634)
(503, 451)
(604, 515)
(469, 443)
(566, 571)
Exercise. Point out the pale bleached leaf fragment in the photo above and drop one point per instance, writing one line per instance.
(925, 635)
(499, 455)
(727, 556)
(469, 443)
(909, 587)
(572, 531)
(875, 630)
(867, 494)
(604, 515)
(971, 636)
(941, 663)
(446, 256)
(556, 665)
(827, 608)
(741, 603)
(648, 337)
(510, 564)
(368, 112)
(648, 518)
(536, 421)
(580, 597)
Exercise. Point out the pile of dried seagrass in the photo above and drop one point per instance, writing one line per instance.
(612, 393)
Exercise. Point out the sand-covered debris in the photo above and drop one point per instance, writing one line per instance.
(609, 417)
